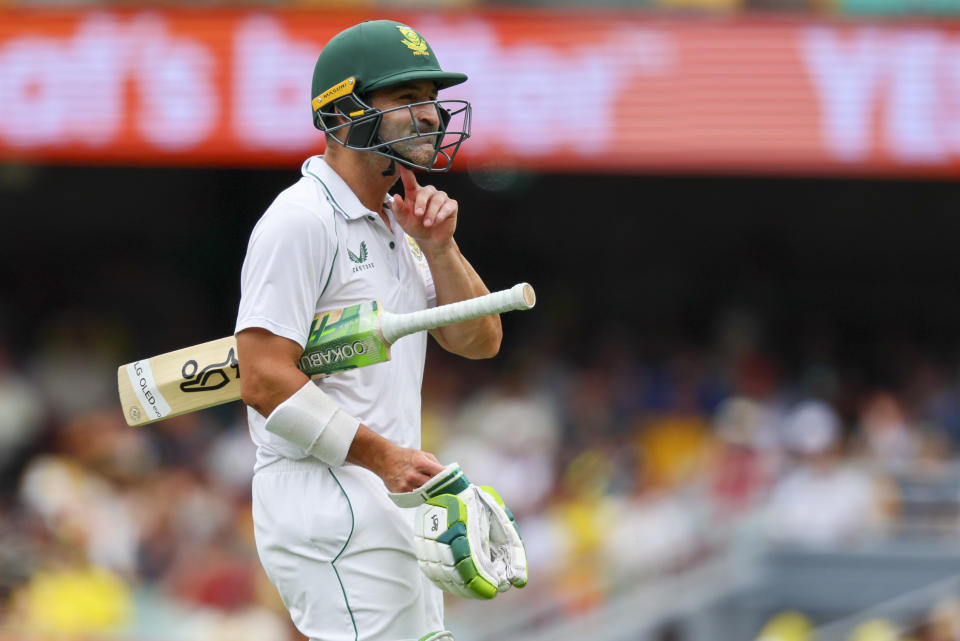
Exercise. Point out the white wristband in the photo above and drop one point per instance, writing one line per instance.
(310, 420)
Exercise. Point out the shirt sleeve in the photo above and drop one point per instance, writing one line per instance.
(289, 258)
(429, 288)
(423, 269)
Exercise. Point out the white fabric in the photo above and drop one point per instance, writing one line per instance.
(314, 422)
(299, 263)
(340, 553)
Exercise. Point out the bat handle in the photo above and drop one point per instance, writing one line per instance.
(396, 326)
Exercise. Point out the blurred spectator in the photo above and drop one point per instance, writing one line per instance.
(82, 510)
(787, 626)
(934, 399)
(75, 367)
(673, 449)
(889, 440)
(588, 408)
(507, 436)
(942, 622)
(442, 398)
(875, 630)
(103, 443)
(623, 469)
(654, 533)
(72, 602)
(230, 460)
(741, 469)
(824, 500)
(21, 411)
(584, 514)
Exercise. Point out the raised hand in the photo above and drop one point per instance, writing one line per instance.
(425, 213)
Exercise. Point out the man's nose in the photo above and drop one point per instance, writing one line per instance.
(427, 115)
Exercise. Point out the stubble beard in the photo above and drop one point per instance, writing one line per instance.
(417, 151)
(420, 151)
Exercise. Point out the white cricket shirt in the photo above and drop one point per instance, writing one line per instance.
(315, 249)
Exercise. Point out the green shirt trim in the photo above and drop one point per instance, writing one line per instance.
(334, 561)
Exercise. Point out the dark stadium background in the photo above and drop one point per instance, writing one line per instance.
(866, 267)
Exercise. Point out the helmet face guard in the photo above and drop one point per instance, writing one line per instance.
(361, 124)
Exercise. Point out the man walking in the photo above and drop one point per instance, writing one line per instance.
(333, 543)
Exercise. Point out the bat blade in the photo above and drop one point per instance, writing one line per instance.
(201, 376)
(205, 375)
(185, 380)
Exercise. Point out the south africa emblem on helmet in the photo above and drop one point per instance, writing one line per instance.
(414, 42)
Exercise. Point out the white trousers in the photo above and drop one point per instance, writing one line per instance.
(340, 553)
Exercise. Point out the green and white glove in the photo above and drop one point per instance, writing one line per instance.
(465, 538)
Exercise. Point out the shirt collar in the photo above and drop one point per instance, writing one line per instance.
(337, 192)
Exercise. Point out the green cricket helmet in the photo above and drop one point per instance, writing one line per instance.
(377, 54)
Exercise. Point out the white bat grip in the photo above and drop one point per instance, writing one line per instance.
(396, 326)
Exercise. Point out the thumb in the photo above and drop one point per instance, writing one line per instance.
(410, 185)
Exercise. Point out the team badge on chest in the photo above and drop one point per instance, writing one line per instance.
(415, 249)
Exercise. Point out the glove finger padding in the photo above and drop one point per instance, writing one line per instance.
(468, 544)
(507, 551)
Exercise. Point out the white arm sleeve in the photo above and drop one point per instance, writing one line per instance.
(314, 423)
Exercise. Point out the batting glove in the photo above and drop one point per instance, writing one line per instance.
(465, 538)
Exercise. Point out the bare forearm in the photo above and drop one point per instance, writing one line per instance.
(455, 279)
(270, 375)
(276, 389)
(369, 450)
(402, 469)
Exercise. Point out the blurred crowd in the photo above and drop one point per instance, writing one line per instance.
(622, 464)
(851, 7)
(940, 622)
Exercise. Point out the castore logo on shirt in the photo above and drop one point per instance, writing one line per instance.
(360, 259)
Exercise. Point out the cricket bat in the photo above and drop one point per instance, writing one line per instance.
(194, 378)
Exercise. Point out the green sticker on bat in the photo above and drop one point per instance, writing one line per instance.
(344, 339)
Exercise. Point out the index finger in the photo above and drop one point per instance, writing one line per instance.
(410, 185)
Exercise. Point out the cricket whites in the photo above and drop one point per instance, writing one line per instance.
(201, 376)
